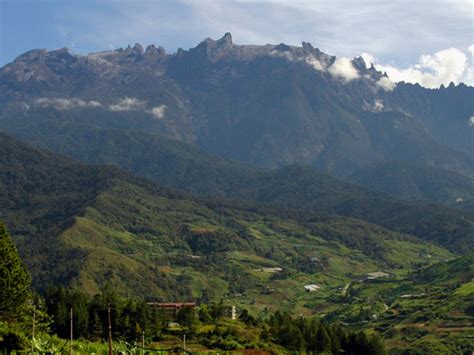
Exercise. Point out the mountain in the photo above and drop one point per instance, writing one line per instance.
(413, 182)
(203, 175)
(180, 166)
(90, 226)
(152, 156)
(269, 105)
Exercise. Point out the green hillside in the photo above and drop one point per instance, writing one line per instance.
(90, 226)
(185, 167)
(413, 182)
(429, 312)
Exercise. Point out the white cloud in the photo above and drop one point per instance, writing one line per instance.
(431, 70)
(285, 54)
(158, 111)
(66, 104)
(128, 104)
(385, 83)
(369, 59)
(443, 67)
(471, 121)
(378, 106)
(315, 63)
(470, 49)
(121, 105)
(343, 69)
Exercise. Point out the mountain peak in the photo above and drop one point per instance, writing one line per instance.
(138, 48)
(226, 39)
(224, 42)
(359, 63)
(214, 49)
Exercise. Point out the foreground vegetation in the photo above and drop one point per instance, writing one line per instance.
(208, 328)
(63, 312)
(432, 309)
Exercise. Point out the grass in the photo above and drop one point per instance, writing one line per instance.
(466, 289)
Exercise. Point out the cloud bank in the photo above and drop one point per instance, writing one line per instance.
(66, 104)
(121, 105)
(432, 70)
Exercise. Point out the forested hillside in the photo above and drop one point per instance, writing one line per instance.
(415, 182)
(103, 225)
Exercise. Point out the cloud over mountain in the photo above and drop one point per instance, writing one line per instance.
(432, 70)
(344, 69)
(128, 104)
(121, 105)
(66, 103)
(159, 111)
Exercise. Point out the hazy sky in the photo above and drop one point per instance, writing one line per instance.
(425, 41)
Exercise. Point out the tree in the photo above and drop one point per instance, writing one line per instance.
(14, 278)
(247, 318)
(186, 316)
(376, 346)
(323, 341)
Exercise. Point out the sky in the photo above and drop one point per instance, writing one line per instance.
(424, 41)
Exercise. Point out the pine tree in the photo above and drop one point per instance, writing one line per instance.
(14, 278)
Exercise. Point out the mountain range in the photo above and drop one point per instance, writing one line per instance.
(268, 106)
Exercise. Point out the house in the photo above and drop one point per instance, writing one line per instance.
(270, 269)
(311, 288)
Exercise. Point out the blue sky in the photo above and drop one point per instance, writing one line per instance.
(402, 36)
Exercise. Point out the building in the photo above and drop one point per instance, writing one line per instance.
(231, 312)
(170, 309)
(376, 275)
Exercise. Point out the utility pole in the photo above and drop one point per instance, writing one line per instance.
(110, 329)
(33, 330)
(184, 343)
(71, 326)
(143, 342)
